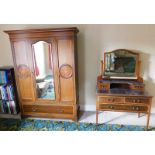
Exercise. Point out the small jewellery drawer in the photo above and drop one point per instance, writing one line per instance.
(130, 108)
(136, 100)
(103, 86)
(137, 87)
(111, 99)
(48, 109)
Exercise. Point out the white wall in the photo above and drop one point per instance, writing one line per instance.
(93, 40)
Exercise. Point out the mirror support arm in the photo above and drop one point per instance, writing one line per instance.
(102, 68)
(138, 75)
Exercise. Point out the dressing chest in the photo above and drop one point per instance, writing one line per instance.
(120, 87)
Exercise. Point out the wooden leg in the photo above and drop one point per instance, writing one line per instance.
(75, 119)
(96, 117)
(148, 119)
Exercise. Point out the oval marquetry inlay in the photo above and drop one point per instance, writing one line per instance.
(24, 71)
(66, 71)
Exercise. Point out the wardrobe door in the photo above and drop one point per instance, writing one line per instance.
(24, 72)
(66, 70)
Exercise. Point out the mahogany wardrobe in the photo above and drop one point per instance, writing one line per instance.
(45, 62)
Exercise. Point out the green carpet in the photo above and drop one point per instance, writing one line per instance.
(48, 125)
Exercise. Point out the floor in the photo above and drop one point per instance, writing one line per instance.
(108, 121)
(122, 118)
(117, 118)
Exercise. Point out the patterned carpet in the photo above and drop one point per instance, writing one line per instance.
(48, 125)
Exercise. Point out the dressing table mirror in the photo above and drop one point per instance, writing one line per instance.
(121, 64)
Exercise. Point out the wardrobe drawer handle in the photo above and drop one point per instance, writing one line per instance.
(34, 109)
(60, 110)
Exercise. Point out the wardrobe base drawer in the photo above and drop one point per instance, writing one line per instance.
(48, 109)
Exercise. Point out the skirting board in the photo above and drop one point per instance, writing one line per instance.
(93, 108)
(88, 107)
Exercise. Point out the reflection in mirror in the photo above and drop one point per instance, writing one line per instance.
(43, 67)
(120, 63)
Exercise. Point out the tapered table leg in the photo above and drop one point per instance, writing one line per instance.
(148, 119)
(96, 117)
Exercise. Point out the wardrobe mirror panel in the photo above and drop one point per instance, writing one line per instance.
(43, 67)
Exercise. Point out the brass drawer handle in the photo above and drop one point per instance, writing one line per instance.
(60, 110)
(111, 107)
(34, 109)
(135, 108)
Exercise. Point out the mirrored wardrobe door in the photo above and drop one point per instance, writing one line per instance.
(44, 70)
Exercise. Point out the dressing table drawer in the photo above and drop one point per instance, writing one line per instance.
(119, 107)
(108, 99)
(48, 109)
(137, 100)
